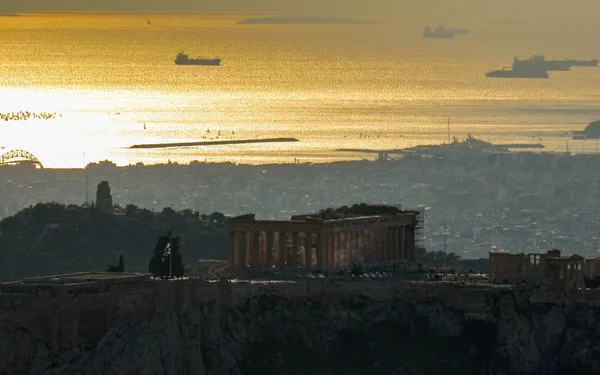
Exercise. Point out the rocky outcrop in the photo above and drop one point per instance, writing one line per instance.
(270, 334)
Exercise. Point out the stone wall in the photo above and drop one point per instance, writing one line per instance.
(69, 321)
(506, 266)
(591, 268)
(467, 298)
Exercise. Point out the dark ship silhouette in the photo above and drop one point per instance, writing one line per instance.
(523, 72)
(538, 67)
(552, 65)
(440, 32)
(592, 131)
(533, 68)
(183, 59)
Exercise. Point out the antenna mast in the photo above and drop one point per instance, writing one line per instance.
(86, 179)
(445, 252)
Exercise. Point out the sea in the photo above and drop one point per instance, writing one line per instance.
(81, 87)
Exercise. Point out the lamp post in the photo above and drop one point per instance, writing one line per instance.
(445, 251)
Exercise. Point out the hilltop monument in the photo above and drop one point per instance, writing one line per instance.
(103, 197)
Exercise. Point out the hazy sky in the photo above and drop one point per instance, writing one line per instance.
(572, 10)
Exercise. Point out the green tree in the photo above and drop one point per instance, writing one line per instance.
(166, 259)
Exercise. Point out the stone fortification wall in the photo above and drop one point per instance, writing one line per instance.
(470, 299)
(70, 321)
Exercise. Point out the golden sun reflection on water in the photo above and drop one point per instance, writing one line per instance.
(112, 82)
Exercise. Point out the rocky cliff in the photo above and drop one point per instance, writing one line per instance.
(269, 334)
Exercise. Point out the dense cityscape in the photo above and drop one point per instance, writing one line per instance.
(514, 202)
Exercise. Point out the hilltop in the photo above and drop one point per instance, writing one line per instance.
(53, 238)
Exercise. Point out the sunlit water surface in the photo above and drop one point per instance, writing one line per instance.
(112, 82)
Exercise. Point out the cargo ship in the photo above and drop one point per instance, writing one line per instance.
(440, 32)
(592, 131)
(539, 61)
(183, 59)
(518, 73)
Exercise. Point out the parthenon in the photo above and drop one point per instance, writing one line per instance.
(323, 240)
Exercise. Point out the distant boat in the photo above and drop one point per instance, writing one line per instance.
(532, 68)
(592, 131)
(539, 61)
(183, 59)
(440, 32)
(518, 73)
(538, 67)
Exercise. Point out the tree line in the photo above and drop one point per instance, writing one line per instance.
(53, 238)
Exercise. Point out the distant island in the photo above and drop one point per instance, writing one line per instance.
(302, 21)
(441, 32)
(9, 14)
(508, 22)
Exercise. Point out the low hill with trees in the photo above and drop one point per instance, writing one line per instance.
(52, 238)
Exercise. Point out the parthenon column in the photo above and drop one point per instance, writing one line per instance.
(294, 258)
(360, 244)
(321, 250)
(281, 243)
(402, 241)
(331, 250)
(242, 249)
(355, 247)
(391, 244)
(368, 248)
(338, 249)
(256, 249)
(340, 246)
(308, 245)
(376, 245)
(262, 249)
(301, 249)
(396, 242)
(384, 245)
(239, 258)
(269, 251)
(232, 247)
(349, 248)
